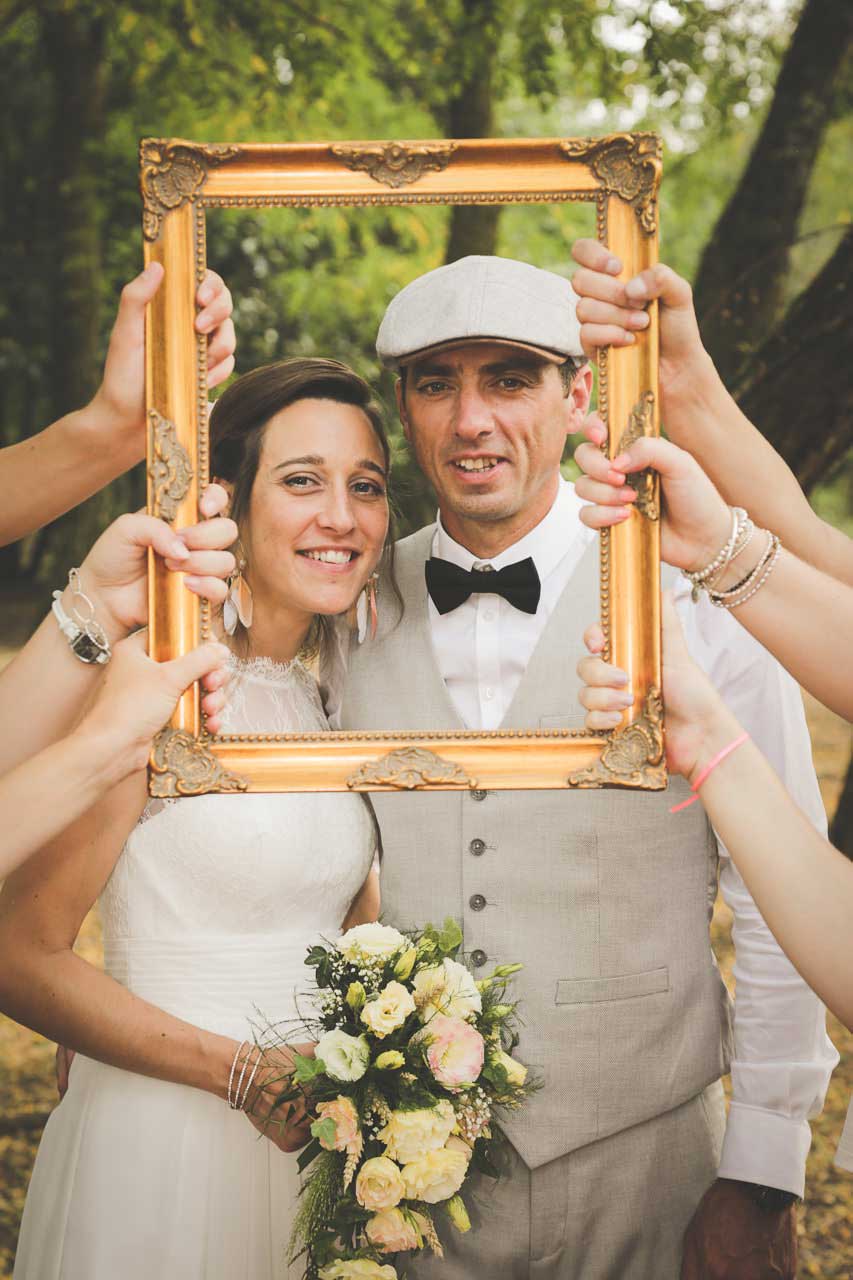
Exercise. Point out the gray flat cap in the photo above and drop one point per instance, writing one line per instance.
(481, 299)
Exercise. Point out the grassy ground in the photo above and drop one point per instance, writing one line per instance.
(826, 1220)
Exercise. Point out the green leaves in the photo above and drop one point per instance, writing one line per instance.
(307, 1069)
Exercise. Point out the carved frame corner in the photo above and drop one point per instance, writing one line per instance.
(628, 165)
(171, 173)
(181, 765)
(633, 756)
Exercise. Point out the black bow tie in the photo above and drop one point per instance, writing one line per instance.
(449, 586)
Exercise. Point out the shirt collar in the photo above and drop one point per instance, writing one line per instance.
(546, 543)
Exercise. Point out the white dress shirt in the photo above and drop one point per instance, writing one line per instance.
(783, 1058)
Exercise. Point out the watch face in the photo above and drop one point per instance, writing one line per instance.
(86, 648)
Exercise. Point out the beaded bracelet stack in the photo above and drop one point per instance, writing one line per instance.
(705, 579)
(237, 1097)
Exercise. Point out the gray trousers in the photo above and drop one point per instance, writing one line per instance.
(614, 1210)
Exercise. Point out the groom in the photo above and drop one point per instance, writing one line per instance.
(603, 895)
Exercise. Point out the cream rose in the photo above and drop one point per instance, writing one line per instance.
(379, 1184)
(358, 1269)
(411, 1134)
(345, 1116)
(436, 1176)
(446, 988)
(455, 1051)
(370, 942)
(344, 1057)
(388, 1011)
(393, 1231)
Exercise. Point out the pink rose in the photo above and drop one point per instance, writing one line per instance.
(393, 1231)
(345, 1116)
(456, 1051)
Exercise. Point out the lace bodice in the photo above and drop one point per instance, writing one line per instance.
(245, 864)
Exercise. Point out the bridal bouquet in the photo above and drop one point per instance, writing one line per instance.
(411, 1070)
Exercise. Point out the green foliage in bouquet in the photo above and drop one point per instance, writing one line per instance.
(412, 1069)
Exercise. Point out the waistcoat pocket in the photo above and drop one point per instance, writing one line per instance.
(625, 986)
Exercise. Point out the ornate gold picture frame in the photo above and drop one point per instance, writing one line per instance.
(619, 175)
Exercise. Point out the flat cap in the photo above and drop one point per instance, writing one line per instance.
(481, 299)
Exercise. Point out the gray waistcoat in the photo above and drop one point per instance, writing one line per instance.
(604, 896)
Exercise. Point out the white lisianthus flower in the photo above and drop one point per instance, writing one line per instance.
(344, 1057)
(408, 1135)
(436, 1176)
(448, 989)
(370, 942)
(388, 1011)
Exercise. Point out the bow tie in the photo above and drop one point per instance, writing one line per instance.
(449, 586)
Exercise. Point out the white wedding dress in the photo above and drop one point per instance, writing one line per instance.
(208, 914)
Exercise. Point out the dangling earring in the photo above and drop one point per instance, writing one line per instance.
(239, 605)
(366, 615)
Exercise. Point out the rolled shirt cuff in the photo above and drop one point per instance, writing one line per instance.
(844, 1154)
(766, 1147)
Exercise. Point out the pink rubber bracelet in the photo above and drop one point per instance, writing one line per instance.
(712, 764)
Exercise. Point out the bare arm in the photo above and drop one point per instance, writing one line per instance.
(697, 410)
(44, 985)
(88, 448)
(113, 740)
(45, 687)
(802, 886)
(803, 616)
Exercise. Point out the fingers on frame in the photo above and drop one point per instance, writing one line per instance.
(220, 372)
(593, 254)
(593, 311)
(212, 589)
(604, 493)
(204, 564)
(216, 534)
(594, 336)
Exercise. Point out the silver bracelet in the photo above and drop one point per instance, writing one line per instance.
(745, 590)
(241, 1105)
(85, 635)
(232, 1104)
(745, 535)
(699, 577)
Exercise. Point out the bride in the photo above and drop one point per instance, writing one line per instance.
(208, 903)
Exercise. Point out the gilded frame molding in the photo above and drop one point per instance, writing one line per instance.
(179, 180)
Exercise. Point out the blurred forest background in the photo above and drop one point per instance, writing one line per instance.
(753, 101)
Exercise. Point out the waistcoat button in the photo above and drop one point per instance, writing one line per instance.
(476, 902)
(479, 795)
(478, 958)
(477, 847)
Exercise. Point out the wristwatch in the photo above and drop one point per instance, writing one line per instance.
(773, 1199)
(89, 642)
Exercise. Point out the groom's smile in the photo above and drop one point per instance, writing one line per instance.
(488, 423)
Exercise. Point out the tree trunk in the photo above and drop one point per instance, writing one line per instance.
(470, 114)
(75, 38)
(74, 42)
(741, 277)
(799, 390)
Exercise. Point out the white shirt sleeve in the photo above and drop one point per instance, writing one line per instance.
(783, 1058)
